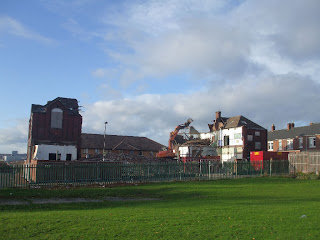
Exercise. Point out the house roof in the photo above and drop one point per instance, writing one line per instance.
(117, 142)
(193, 130)
(69, 103)
(238, 121)
(294, 132)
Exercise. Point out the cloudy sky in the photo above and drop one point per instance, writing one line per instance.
(147, 66)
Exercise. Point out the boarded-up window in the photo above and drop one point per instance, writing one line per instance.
(52, 156)
(68, 156)
(56, 118)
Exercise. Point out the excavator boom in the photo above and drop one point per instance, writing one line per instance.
(169, 153)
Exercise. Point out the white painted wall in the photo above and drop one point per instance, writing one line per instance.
(208, 135)
(205, 151)
(42, 151)
(232, 132)
(231, 152)
(184, 151)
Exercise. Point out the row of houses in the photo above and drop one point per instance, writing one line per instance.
(295, 139)
(55, 133)
(233, 138)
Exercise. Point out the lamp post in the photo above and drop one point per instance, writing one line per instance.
(104, 140)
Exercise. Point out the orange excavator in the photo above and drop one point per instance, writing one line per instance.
(169, 153)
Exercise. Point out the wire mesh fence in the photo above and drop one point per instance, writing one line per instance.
(77, 173)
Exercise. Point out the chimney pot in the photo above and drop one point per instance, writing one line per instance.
(273, 128)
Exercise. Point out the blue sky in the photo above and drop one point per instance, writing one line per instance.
(147, 66)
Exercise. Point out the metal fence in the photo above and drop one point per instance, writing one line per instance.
(65, 173)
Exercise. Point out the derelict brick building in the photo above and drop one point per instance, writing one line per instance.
(55, 130)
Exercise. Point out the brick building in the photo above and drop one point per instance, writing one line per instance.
(296, 139)
(55, 130)
(92, 145)
(237, 136)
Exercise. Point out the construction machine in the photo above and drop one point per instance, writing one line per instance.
(169, 152)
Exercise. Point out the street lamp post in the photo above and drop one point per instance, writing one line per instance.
(104, 141)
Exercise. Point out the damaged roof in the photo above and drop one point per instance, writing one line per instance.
(197, 142)
(118, 142)
(238, 121)
(69, 103)
(294, 132)
(193, 130)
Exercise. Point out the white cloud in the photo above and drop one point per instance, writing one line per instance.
(274, 99)
(14, 137)
(260, 59)
(215, 39)
(100, 72)
(291, 27)
(14, 27)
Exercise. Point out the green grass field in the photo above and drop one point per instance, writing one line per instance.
(252, 208)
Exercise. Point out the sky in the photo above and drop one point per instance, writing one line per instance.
(147, 66)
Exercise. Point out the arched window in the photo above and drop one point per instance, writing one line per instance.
(56, 118)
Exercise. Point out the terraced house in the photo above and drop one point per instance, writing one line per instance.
(295, 139)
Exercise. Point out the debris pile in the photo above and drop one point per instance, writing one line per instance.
(197, 142)
(122, 157)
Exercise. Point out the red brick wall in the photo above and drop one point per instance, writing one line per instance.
(249, 146)
(71, 126)
(305, 145)
(40, 128)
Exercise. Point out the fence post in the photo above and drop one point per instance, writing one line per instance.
(236, 166)
(200, 169)
(270, 167)
(261, 162)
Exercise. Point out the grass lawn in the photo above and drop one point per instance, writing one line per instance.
(252, 208)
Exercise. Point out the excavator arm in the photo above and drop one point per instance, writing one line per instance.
(169, 153)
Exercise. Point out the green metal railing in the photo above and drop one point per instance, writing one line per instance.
(77, 173)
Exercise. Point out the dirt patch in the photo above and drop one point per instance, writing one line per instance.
(62, 200)
(13, 202)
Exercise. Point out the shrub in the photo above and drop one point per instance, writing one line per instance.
(302, 175)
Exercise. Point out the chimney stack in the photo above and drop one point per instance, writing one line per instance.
(218, 115)
(292, 125)
(273, 128)
(288, 126)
